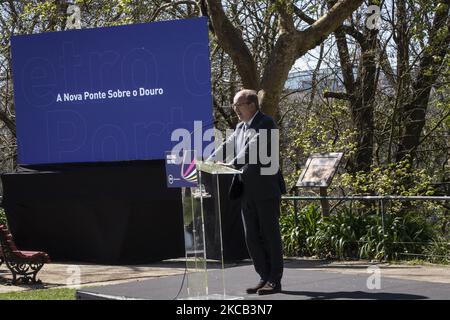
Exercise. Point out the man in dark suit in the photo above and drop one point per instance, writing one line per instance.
(260, 187)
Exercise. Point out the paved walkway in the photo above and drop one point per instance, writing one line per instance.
(425, 272)
(297, 284)
(63, 275)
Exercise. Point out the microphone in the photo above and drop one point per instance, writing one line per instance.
(195, 130)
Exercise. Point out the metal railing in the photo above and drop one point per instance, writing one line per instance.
(381, 201)
(381, 205)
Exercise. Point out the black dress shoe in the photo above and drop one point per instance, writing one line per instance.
(269, 288)
(254, 289)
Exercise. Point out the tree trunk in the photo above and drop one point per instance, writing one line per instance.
(276, 73)
(433, 56)
(363, 109)
(360, 92)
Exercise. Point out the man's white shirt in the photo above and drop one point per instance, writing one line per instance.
(237, 141)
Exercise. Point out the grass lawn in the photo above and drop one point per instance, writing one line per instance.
(41, 294)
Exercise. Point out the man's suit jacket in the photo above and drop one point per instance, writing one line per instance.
(253, 184)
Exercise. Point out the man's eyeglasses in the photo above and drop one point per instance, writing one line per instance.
(238, 105)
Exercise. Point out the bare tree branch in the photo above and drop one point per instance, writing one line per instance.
(171, 4)
(231, 41)
(337, 95)
(286, 21)
(319, 30)
(303, 16)
(434, 128)
(8, 122)
(357, 35)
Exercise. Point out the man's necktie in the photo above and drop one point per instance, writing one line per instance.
(241, 141)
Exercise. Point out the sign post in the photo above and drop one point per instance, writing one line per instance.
(319, 171)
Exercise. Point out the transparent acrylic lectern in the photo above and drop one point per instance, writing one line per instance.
(203, 233)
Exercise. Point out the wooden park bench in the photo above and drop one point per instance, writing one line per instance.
(25, 264)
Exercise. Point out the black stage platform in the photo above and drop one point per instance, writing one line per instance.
(298, 284)
(107, 213)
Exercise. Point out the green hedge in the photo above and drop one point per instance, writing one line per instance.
(351, 234)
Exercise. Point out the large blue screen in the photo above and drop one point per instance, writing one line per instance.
(109, 94)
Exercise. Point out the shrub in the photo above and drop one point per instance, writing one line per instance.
(294, 237)
(404, 236)
(347, 234)
(438, 251)
(338, 235)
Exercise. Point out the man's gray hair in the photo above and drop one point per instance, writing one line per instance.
(251, 96)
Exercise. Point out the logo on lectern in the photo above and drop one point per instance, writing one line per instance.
(181, 171)
(188, 168)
